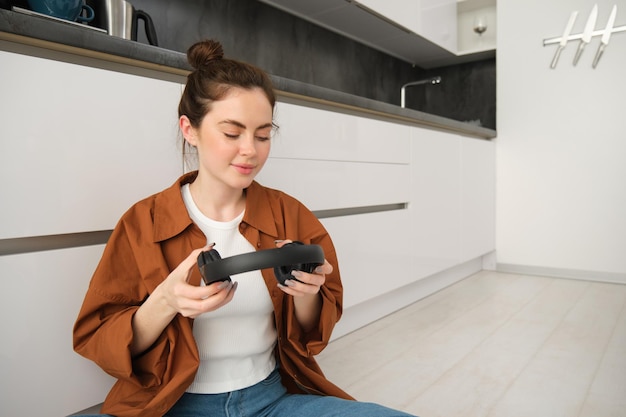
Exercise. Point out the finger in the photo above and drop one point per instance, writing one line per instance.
(309, 279)
(192, 307)
(221, 298)
(280, 243)
(298, 289)
(192, 259)
(324, 269)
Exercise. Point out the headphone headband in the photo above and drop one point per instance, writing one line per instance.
(289, 257)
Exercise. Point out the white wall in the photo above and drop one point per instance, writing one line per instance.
(561, 145)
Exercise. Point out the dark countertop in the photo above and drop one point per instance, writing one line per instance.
(49, 34)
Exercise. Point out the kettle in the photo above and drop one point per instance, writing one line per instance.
(119, 18)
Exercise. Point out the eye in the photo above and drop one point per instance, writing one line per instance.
(263, 135)
(231, 135)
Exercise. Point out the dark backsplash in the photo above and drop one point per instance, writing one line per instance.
(290, 47)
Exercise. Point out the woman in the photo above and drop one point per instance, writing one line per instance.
(182, 348)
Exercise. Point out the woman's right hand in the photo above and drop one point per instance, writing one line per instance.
(191, 300)
(176, 295)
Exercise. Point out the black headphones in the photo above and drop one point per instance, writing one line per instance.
(292, 256)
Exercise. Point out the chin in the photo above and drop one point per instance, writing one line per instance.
(242, 183)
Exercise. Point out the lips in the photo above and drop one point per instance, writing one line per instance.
(244, 169)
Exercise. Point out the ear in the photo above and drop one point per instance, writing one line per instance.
(188, 131)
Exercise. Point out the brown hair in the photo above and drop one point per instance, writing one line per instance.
(213, 76)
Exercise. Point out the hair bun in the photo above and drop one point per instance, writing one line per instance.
(202, 53)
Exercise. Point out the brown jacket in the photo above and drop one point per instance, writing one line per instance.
(149, 241)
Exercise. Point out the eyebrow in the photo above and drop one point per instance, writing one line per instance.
(241, 125)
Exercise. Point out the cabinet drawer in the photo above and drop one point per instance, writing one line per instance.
(374, 253)
(308, 133)
(82, 144)
(323, 185)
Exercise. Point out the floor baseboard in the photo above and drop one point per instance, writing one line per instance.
(598, 276)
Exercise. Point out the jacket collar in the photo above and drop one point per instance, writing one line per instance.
(171, 217)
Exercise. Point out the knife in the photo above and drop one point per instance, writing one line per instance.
(563, 41)
(606, 35)
(586, 38)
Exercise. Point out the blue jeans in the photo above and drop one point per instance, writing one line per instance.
(269, 398)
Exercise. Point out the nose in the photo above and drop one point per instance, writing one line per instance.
(247, 145)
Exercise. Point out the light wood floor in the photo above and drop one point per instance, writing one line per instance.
(496, 345)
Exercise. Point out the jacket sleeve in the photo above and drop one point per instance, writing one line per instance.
(313, 342)
(103, 329)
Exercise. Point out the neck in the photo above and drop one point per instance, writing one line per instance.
(217, 203)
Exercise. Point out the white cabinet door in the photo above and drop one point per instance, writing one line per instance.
(374, 253)
(435, 201)
(327, 185)
(477, 198)
(330, 160)
(309, 133)
(453, 199)
(39, 302)
(80, 144)
(435, 20)
(406, 13)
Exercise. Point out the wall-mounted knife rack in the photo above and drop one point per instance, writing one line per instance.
(586, 36)
(552, 41)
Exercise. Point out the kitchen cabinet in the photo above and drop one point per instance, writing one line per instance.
(318, 134)
(80, 140)
(435, 201)
(41, 296)
(374, 253)
(440, 184)
(343, 164)
(434, 20)
(426, 33)
(452, 200)
(469, 13)
(83, 140)
(478, 196)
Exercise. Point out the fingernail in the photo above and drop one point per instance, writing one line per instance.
(296, 274)
(224, 284)
(318, 270)
(277, 241)
(289, 283)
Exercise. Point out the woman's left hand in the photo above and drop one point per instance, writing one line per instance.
(305, 291)
(305, 283)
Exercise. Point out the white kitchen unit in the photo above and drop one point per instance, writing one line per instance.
(80, 144)
(41, 296)
(452, 201)
(470, 15)
(426, 33)
(435, 20)
(360, 167)
(435, 200)
(436, 190)
(478, 196)
(410, 208)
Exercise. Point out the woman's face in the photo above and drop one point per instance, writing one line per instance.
(233, 140)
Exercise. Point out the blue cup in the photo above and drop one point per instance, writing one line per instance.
(63, 9)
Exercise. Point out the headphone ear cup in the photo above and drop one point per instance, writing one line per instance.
(205, 258)
(283, 273)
